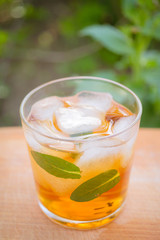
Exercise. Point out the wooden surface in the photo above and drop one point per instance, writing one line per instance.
(21, 218)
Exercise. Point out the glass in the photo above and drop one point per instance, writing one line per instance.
(55, 194)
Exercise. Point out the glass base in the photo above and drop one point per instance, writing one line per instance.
(81, 225)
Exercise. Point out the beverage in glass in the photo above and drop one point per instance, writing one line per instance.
(80, 134)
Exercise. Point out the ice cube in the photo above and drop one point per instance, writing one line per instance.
(60, 186)
(44, 109)
(51, 143)
(41, 118)
(127, 137)
(70, 101)
(95, 141)
(102, 155)
(31, 140)
(128, 148)
(73, 120)
(99, 156)
(100, 101)
(123, 123)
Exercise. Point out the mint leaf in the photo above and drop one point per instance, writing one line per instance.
(95, 186)
(56, 166)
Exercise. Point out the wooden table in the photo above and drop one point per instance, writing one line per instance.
(22, 219)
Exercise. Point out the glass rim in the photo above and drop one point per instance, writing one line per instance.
(75, 139)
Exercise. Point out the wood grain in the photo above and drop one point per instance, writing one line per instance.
(21, 218)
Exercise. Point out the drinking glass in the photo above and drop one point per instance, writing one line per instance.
(81, 183)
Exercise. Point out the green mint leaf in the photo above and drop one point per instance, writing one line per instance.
(56, 166)
(95, 186)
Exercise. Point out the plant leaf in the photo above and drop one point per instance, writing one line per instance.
(151, 76)
(152, 27)
(135, 10)
(150, 59)
(95, 186)
(56, 166)
(109, 37)
(129, 8)
(110, 74)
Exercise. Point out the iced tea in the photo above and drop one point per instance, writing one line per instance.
(81, 149)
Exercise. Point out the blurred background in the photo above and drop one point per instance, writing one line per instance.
(44, 40)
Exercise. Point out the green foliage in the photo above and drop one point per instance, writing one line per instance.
(82, 15)
(109, 37)
(151, 27)
(138, 66)
(16, 28)
(126, 32)
(3, 39)
(32, 13)
(4, 90)
(80, 66)
(106, 74)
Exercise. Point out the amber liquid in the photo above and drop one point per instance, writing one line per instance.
(61, 204)
(54, 193)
